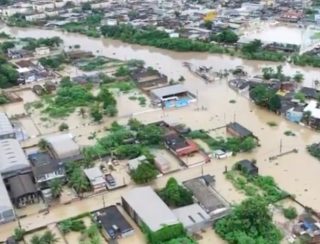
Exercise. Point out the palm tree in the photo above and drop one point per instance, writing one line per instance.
(43, 144)
(49, 238)
(36, 239)
(79, 181)
(56, 187)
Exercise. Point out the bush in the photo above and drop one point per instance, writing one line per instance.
(145, 173)
(290, 213)
(63, 127)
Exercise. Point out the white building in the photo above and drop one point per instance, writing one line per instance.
(6, 128)
(96, 178)
(41, 51)
(35, 17)
(6, 208)
(12, 158)
(313, 108)
(63, 146)
(145, 206)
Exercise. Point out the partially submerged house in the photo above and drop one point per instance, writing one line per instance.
(63, 147)
(247, 167)
(235, 129)
(207, 197)
(113, 224)
(96, 178)
(148, 79)
(174, 96)
(144, 206)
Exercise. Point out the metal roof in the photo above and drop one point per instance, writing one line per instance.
(5, 125)
(64, 146)
(95, 175)
(168, 90)
(150, 208)
(5, 202)
(12, 157)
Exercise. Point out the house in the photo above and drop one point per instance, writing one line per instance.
(96, 178)
(148, 79)
(63, 147)
(193, 218)
(41, 51)
(6, 208)
(22, 190)
(133, 164)
(35, 17)
(295, 114)
(16, 53)
(112, 222)
(247, 167)
(235, 129)
(314, 110)
(310, 93)
(180, 145)
(13, 161)
(207, 197)
(45, 168)
(144, 206)
(174, 96)
(6, 128)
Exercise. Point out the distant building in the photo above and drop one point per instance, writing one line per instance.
(295, 114)
(313, 109)
(247, 167)
(6, 128)
(40, 51)
(63, 147)
(145, 206)
(112, 222)
(238, 130)
(193, 218)
(96, 178)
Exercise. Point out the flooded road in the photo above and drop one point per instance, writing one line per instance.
(295, 173)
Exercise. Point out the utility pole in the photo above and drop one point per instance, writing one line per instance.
(103, 201)
(280, 146)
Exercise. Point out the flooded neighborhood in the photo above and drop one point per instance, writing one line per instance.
(159, 122)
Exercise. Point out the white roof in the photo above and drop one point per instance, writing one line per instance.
(5, 125)
(5, 202)
(63, 145)
(95, 175)
(12, 157)
(150, 208)
(313, 108)
(168, 90)
(191, 215)
(134, 163)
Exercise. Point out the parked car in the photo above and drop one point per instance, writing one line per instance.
(110, 180)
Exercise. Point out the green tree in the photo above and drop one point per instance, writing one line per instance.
(18, 234)
(49, 238)
(248, 144)
(261, 95)
(79, 181)
(275, 103)
(96, 114)
(63, 126)
(146, 172)
(290, 213)
(226, 36)
(300, 96)
(267, 73)
(56, 187)
(36, 239)
(298, 77)
(252, 47)
(208, 24)
(43, 144)
(175, 195)
(250, 221)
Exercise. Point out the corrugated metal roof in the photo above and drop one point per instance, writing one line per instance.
(5, 202)
(12, 157)
(150, 208)
(168, 90)
(5, 125)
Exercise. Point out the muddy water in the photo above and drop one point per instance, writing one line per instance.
(296, 173)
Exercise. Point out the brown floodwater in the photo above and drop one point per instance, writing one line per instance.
(295, 173)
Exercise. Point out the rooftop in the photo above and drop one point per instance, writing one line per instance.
(5, 202)
(64, 145)
(313, 108)
(5, 125)
(168, 91)
(21, 185)
(12, 157)
(191, 214)
(111, 216)
(95, 175)
(242, 131)
(150, 208)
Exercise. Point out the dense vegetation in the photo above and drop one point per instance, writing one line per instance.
(226, 36)
(290, 213)
(71, 96)
(175, 195)
(314, 150)
(76, 177)
(54, 62)
(33, 43)
(231, 144)
(47, 238)
(249, 223)
(306, 60)
(266, 97)
(94, 64)
(8, 74)
(145, 173)
(156, 38)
